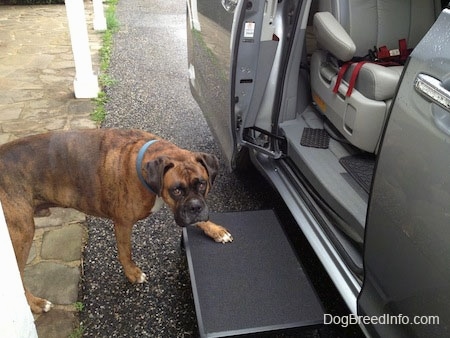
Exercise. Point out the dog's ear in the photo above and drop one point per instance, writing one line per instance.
(211, 163)
(155, 171)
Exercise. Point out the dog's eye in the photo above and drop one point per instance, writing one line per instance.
(201, 186)
(177, 192)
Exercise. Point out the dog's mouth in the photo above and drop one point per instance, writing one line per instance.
(191, 213)
(189, 220)
(193, 223)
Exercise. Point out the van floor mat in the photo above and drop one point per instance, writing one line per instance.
(360, 167)
(315, 137)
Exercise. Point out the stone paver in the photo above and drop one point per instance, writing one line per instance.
(63, 244)
(36, 95)
(58, 323)
(54, 267)
(53, 280)
(37, 71)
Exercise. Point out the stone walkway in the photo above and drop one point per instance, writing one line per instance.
(36, 95)
(54, 268)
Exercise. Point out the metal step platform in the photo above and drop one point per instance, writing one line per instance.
(253, 285)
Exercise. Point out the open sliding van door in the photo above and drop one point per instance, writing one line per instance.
(260, 39)
(407, 241)
(255, 47)
(209, 25)
(239, 47)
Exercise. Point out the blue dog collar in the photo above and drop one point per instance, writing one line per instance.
(139, 164)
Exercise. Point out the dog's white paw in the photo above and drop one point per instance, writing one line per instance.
(47, 306)
(225, 238)
(142, 278)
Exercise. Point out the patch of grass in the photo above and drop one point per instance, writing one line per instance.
(105, 80)
(99, 113)
(79, 306)
(77, 332)
(112, 25)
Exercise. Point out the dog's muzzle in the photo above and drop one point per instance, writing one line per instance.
(192, 211)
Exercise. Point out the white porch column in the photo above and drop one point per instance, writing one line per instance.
(16, 320)
(86, 82)
(195, 22)
(99, 16)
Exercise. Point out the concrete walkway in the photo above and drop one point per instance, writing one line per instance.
(36, 95)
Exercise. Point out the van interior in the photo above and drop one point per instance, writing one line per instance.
(341, 76)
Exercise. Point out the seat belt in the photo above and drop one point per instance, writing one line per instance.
(341, 74)
(384, 54)
(396, 55)
(404, 51)
(351, 83)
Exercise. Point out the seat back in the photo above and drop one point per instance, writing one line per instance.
(352, 29)
(377, 23)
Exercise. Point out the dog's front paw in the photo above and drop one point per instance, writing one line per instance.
(216, 232)
(142, 278)
(135, 275)
(223, 236)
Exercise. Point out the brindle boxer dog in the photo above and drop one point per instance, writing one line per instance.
(116, 174)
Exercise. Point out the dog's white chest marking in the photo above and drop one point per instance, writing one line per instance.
(159, 202)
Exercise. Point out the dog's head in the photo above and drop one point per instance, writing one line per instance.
(183, 182)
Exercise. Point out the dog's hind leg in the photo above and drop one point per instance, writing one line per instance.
(123, 238)
(19, 217)
(37, 305)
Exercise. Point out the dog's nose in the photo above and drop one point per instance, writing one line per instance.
(195, 206)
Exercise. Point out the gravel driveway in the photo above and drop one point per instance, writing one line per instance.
(149, 62)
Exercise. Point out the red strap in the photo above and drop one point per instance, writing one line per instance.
(383, 53)
(353, 78)
(404, 52)
(351, 83)
(341, 74)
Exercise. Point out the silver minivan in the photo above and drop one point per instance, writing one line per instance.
(344, 106)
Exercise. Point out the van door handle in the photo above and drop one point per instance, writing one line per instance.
(433, 90)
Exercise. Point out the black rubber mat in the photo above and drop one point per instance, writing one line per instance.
(317, 138)
(254, 284)
(360, 167)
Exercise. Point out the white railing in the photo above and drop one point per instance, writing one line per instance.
(86, 81)
(16, 320)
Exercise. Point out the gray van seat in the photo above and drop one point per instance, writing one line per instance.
(346, 29)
